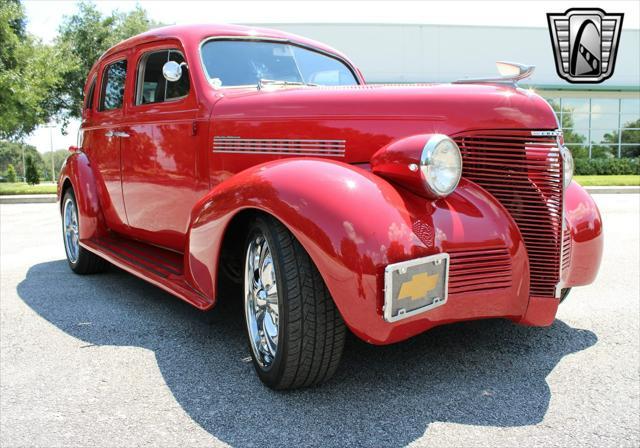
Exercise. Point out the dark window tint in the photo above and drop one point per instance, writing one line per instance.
(113, 86)
(152, 86)
(238, 63)
(88, 101)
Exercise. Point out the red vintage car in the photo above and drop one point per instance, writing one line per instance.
(226, 158)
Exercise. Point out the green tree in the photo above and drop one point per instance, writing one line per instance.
(11, 173)
(83, 37)
(27, 75)
(33, 177)
(41, 82)
(628, 136)
(59, 157)
(15, 153)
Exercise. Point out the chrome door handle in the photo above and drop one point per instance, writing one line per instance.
(109, 134)
(121, 134)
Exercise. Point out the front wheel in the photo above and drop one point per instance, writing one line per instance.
(296, 334)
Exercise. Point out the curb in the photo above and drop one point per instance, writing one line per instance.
(613, 190)
(28, 199)
(50, 198)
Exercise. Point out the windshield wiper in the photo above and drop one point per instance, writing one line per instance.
(277, 82)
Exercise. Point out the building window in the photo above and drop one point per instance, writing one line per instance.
(599, 127)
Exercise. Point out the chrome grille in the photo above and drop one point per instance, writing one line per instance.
(479, 270)
(281, 147)
(524, 172)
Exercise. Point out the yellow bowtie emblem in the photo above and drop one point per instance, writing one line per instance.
(418, 286)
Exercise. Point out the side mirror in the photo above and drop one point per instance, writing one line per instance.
(172, 71)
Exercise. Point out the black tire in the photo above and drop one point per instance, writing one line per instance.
(86, 261)
(311, 331)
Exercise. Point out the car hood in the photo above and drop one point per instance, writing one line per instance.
(371, 116)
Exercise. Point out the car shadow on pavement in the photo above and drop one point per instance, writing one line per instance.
(478, 373)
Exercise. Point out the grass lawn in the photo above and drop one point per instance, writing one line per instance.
(600, 181)
(22, 188)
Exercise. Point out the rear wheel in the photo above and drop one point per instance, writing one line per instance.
(296, 334)
(81, 261)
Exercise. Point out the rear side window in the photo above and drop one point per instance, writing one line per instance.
(113, 86)
(152, 87)
(88, 101)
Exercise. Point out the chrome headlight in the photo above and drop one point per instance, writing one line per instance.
(567, 165)
(441, 165)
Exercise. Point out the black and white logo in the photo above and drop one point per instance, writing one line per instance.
(585, 43)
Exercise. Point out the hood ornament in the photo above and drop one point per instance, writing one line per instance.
(511, 73)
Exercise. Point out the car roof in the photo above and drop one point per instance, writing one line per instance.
(194, 34)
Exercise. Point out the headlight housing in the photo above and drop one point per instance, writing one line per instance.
(441, 165)
(567, 166)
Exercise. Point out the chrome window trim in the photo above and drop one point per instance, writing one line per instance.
(277, 40)
(91, 93)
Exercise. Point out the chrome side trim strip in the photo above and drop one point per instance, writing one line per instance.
(298, 147)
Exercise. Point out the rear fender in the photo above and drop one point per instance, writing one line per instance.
(77, 171)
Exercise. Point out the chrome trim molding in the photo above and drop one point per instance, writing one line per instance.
(426, 162)
(560, 284)
(272, 146)
(522, 71)
(556, 133)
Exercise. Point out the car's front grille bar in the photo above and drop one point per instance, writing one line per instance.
(524, 172)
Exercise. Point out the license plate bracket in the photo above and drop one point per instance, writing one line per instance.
(415, 286)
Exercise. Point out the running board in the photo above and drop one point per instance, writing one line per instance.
(161, 267)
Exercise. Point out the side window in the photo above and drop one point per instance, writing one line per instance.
(179, 88)
(113, 86)
(88, 101)
(152, 87)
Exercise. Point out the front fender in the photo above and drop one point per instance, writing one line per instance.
(326, 205)
(354, 223)
(77, 170)
(584, 224)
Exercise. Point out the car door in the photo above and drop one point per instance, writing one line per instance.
(162, 152)
(101, 141)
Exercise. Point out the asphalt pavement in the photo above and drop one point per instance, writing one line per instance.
(109, 360)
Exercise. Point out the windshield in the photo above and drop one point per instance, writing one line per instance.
(231, 63)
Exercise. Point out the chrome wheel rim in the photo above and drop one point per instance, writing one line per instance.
(261, 301)
(70, 229)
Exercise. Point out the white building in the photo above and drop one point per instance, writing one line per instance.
(603, 119)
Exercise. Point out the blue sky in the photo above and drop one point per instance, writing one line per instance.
(44, 17)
